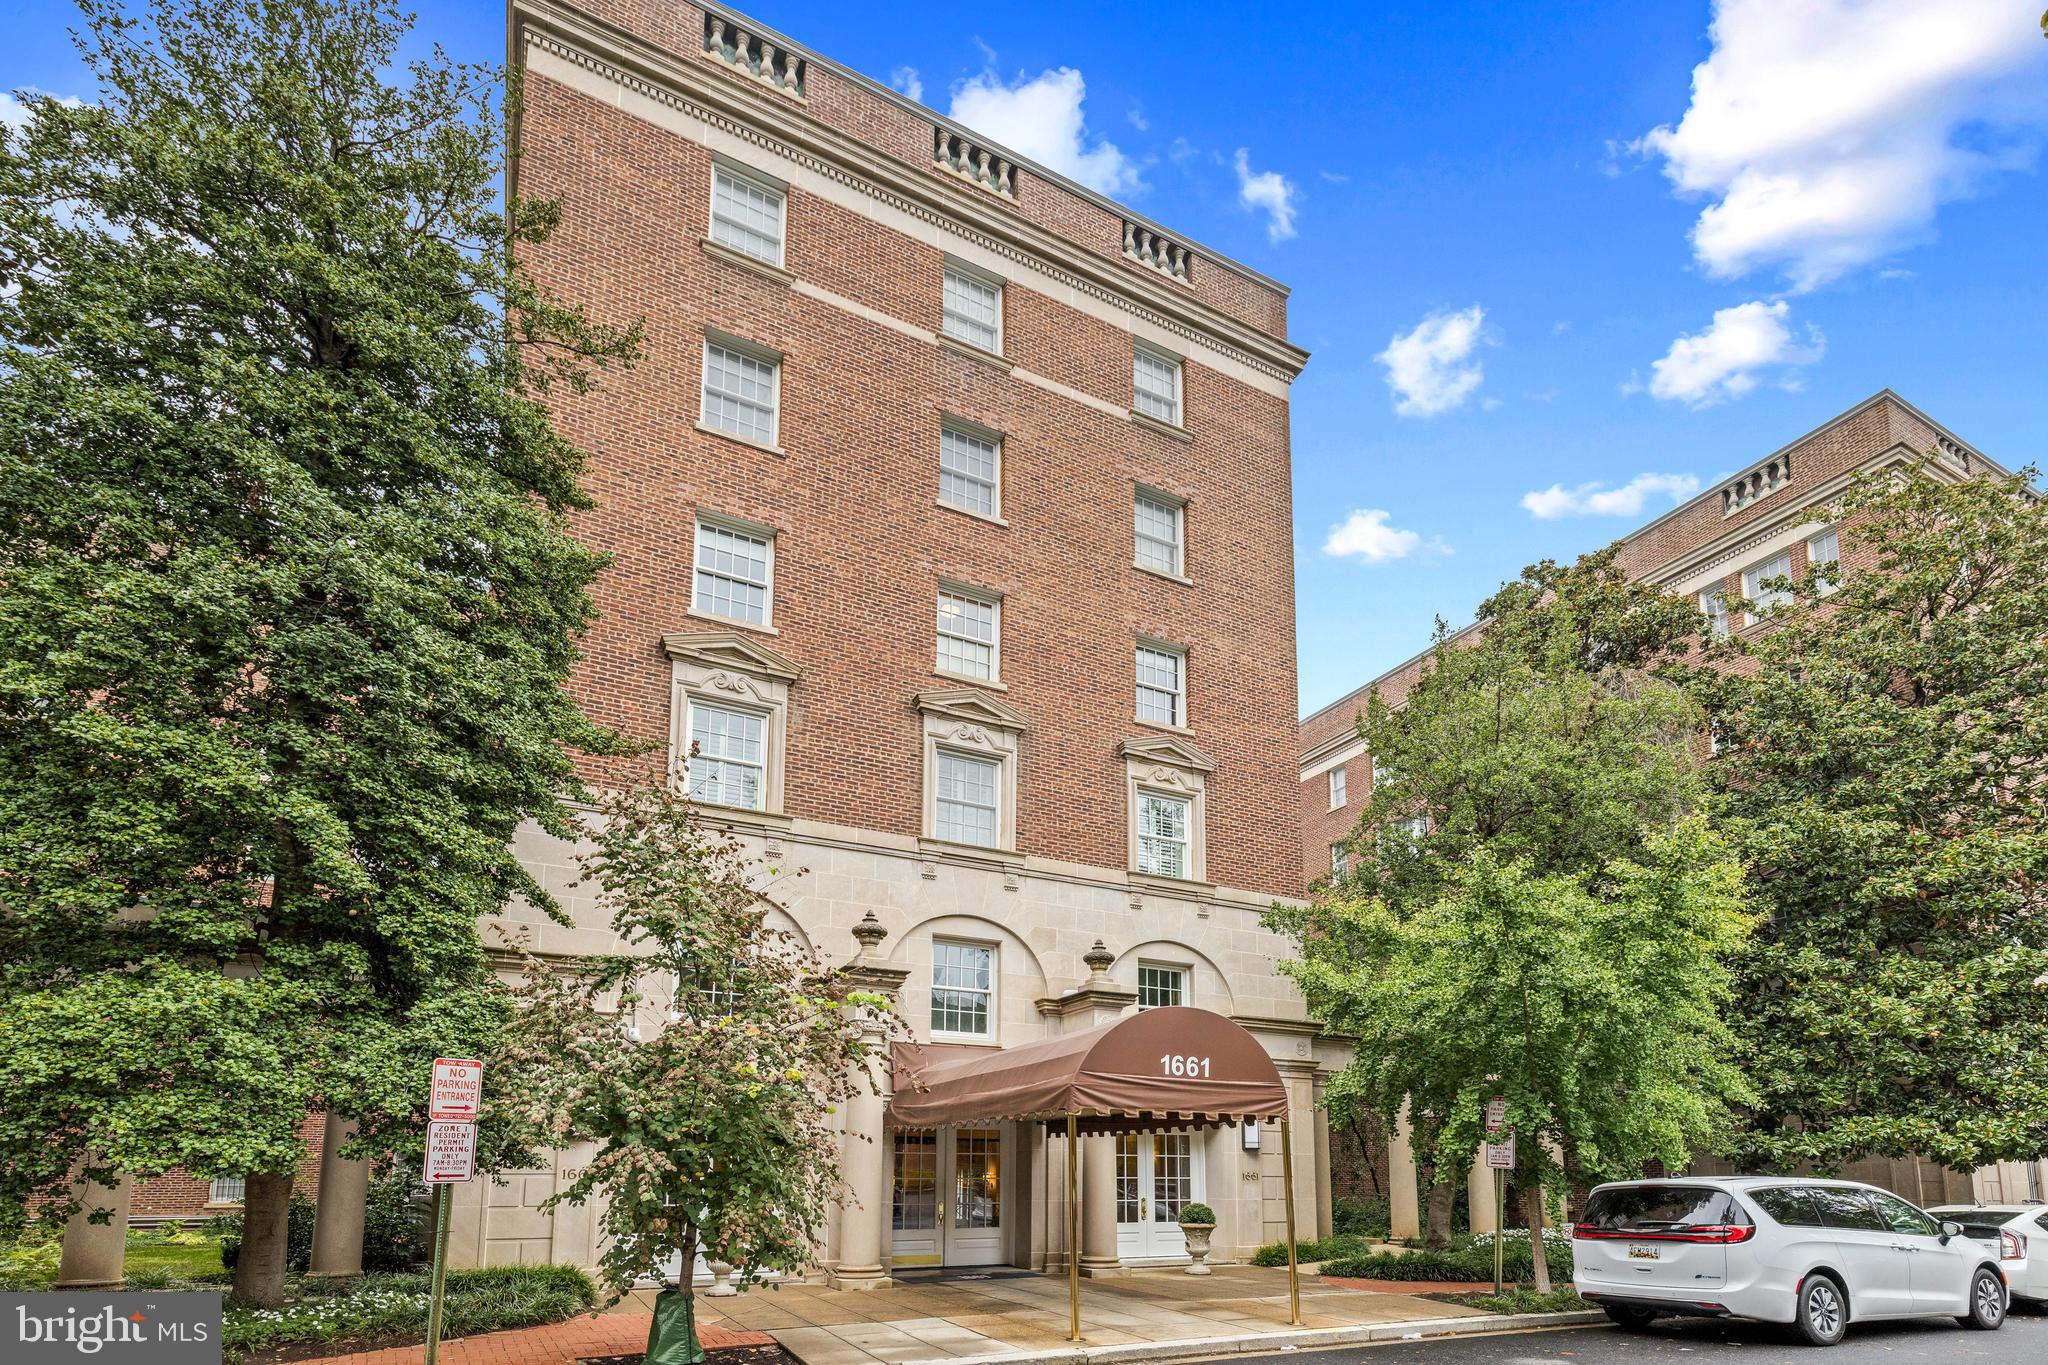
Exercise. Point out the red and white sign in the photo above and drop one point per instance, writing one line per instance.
(1496, 1113)
(451, 1153)
(458, 1090)
(1500, 1156)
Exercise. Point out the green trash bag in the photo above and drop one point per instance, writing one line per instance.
(672, 1340)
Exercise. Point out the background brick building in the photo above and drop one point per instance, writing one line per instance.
(1773, 518)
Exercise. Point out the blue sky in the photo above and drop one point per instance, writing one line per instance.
(1548, 285)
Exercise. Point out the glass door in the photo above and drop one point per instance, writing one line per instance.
(1156, 1175)
(946, 1204)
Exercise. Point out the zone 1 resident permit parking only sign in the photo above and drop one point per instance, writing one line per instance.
(451, 1153)
(458, 1089)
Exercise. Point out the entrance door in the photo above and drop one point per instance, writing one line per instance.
(1156, 1174)
(947, 1207)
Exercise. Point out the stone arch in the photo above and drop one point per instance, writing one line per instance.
(1020, 975)
(1210, 988)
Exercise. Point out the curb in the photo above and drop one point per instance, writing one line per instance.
(1263, 1343)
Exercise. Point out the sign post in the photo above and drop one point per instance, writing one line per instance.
(454, 1098)
(1500, 1158)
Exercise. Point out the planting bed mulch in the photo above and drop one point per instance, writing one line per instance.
(723, 1355)
(320, 1350)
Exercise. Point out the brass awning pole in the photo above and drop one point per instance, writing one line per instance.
(1073, 1231)
(1287, 1182)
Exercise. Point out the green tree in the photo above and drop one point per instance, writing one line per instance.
(289, 591)
(1883, 764)
(706, 1061)
(1538, 743)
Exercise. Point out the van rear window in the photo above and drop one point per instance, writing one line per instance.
(1660, 1208)
(1790, 1205)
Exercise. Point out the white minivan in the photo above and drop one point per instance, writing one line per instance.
(1815, 1253)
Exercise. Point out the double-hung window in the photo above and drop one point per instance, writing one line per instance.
(1158, 523)
(741, 392)
(1715, 605)
(1160, 987)
(1338, 863)
(734, 572)
(1761, 598)
(1155, 385)
(1337, 785)
(963, 988)
(1162, 685)
(969, 471)
(227, 1189)
(1162, 835)
(746, 215)
(1824, 548)
(973, 310)
(731, 759)
(969, 634)
(967, 795)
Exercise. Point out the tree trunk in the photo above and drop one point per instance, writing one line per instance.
(266, 1216)
(1436, 1233)
(1532, 1203)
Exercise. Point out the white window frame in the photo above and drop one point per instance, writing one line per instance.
(1755, 574)
(1140, 352)
(971, 724)
(971, 275)
(771, 188)
(964, 593)
(995, 809)
(1179, 692)
(1339, 783)
(1714, 604)
(227, 1189)
(1187, 841)
(1183, 988)
(1178, 507)
(1822, 537)
(692, 705)
(991, 994)
(1167, 768)
(734, 526)
(760, 355)
(726, 669)
(960, 429)
(1340, 861)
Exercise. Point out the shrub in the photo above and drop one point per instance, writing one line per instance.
(1361, 1216)
(1564, 1300)
(396, 1305)
(1472, 1263)
(298, 1236)
(1197, 1213)
(29, 1263)
(1311, 1249)
(396, 1234)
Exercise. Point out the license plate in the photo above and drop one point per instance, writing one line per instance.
(1642, 1253)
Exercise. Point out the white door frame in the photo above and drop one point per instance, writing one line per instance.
(948, 1193)
(1140, 1234)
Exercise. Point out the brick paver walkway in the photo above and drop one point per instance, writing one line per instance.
(561, 1343)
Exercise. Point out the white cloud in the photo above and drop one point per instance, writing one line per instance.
(1136, 117)
(1732, 355)
(14, 113)
(1040, 117)
(1828, 132)
(906, 79)
(1430, 368)
(1365, 535)
(1596, 499)
(1267, 192)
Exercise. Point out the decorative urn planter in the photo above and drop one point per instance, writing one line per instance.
(722, 1286)
(1197, 1221)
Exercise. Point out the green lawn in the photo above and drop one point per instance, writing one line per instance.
(147, 1253)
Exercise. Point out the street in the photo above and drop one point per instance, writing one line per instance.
(2024, 1338)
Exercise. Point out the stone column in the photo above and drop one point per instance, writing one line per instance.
(1402, 1198)
(1099, 1258)
(1325, 1219)
(1479, 1195)
(93, 1252)
(864, 1152)
(338, 1215)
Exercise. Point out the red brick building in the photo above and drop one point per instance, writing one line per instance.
(949, 516)
(1773, 519)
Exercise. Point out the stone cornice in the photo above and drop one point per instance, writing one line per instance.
(973, 706)
(701, 92)
(730, 649)
(1178, 753)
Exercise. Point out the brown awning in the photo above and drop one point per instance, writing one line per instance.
(1161, 1068)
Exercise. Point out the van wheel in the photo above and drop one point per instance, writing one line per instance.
(1987, 1302)
(1823, 1313)
(1633, 1319)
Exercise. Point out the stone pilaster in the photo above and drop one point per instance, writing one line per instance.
(338, 1216)
(864, 1154)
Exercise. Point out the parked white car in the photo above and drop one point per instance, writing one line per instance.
(1818, 1254)
(2017, 1233)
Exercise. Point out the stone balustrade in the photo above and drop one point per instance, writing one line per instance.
(1760, 482)
(1954, 452)
(952, 152)
(752, 55)
(1150, 248)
